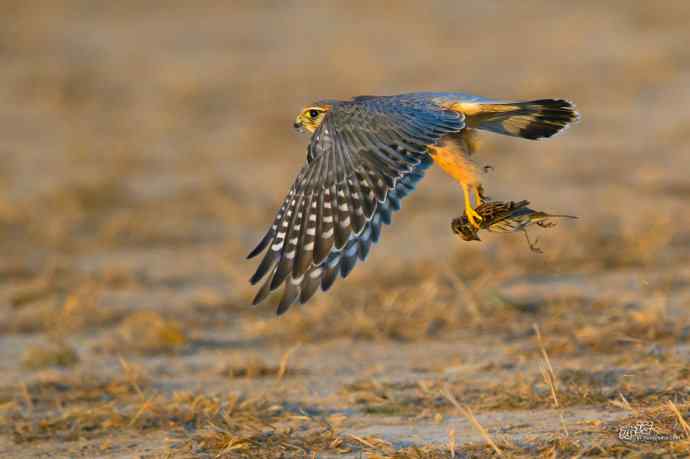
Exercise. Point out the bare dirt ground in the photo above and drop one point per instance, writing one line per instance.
(144, 147)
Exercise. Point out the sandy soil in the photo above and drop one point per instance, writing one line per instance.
(144, 148)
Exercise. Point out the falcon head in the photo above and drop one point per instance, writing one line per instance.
(310, 118)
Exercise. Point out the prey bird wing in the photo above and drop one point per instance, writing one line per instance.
(364, 157)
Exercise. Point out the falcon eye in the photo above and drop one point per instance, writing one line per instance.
(313, 113)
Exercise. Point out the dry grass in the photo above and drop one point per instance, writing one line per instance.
(199, 423)
(523, 391)
(256, 367)
(61, 303)
(146, 332)
(140, 162)
(473, 420)
(41, 356)
(405, 305)
(431, 304)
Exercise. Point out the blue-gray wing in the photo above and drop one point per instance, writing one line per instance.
(364, 158)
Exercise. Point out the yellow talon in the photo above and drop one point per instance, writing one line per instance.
(472, 216)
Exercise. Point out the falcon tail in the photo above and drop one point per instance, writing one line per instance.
(535, 119)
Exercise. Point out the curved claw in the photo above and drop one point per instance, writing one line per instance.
(473, 217)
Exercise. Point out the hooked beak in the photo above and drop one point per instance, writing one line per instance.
(298, 126)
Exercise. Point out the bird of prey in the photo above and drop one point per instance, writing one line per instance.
(504, 217)
(365, 156)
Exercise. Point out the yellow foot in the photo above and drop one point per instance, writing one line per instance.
(473, 217)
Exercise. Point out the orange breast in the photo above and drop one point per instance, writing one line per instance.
(454, 162)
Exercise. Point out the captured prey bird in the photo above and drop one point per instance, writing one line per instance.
(504, 217)
(364, 157)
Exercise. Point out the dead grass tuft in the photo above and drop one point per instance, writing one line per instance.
(576, 387)
(60, 304)
(44, 355)
(467, 412)
(199, 424)
(256, 367)
(146, 332)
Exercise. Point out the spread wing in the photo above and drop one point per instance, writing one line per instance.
(364, 158)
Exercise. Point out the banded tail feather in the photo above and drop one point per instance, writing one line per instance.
(534, 119)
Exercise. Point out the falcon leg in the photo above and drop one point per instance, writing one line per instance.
(472, 216)
(479, 196)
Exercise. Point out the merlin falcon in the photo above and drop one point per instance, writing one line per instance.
(365, 156)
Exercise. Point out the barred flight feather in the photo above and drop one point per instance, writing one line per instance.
(364, 158)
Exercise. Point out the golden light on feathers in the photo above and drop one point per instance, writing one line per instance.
(365, 155)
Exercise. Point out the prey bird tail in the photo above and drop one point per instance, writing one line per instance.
(543, 219)
(544, 216)
(534, 120)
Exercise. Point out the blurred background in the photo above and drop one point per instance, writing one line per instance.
(145, 147)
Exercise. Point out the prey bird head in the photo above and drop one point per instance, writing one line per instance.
(461, 226)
